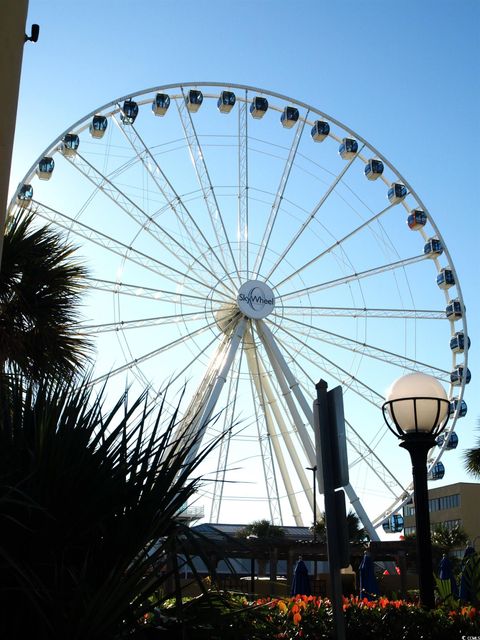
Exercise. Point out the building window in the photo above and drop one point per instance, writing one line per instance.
(408, 531)
(444, 502)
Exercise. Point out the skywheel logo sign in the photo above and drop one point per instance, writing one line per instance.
(255, 299)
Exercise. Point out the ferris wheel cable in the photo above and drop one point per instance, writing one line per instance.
(224, 446)
(284, 433)
(354, 276)
(170, 194)
(368, 451)
(142, 291)
(312, 215)
(242, 210)
(139, 323)
(203, 177)
(136, 213)
(359, 312)
(110, 244)
(370, 350)
(271, 486)
(337, 372)
(335, 245)
(148, 356)
(278, 198)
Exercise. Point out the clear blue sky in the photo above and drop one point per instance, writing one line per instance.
(404, 75)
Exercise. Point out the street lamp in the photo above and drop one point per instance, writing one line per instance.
(416, 412)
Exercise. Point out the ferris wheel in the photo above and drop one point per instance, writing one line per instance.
(246, 245)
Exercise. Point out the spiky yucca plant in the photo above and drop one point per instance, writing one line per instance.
(40, 287)
(89, 504)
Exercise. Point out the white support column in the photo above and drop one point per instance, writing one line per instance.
(221, 378)
(361, 513)
(284, 430)
(283, 373)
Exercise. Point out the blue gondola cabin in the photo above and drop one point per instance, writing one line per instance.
(348, 148)
(45, 168)
(445, 279)
(24, 195)
(394, 524)
(289, 117)
(397, 192)
(129, 112)
(433, 248)
(320, 130)
(70, 144)
(457, 375)
(417, 219)
(160, 104)
(455, 405)
(437, 471)
(226, 101)
(98, 126)
(454, 310)
(193, 100)
(457, 342)
(374, 169)
(259, 107)
(452, 441)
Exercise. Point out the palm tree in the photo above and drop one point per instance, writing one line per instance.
(90, 510)
(356, 533)
(40, 287)
(447, 539)
(263, 529)
(472, 459)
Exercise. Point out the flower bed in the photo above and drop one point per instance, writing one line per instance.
(311, 618)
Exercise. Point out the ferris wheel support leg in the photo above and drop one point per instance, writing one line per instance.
(268, 409)
(206, 413)
(269, 391)
(283, 373)
(361, 513)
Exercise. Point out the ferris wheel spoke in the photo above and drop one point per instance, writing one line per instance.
(155, 321)
(365, 349)
(151, 354)
(149, 293)
(279, 196)
(224, 445)
(341, 375)
(364, 312)
(335, 245)
(114, 246)
(147, 223)
(312, 215)
(173, 200)
(368, 455)
(391, 266)
(242, 222)
(203, 177)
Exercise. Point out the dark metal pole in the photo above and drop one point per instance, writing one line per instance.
(314, 470)
(418, 446)
(330, 511)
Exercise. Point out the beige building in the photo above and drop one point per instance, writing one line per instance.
(452, 505)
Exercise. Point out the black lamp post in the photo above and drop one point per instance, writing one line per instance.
(314, 470)
(416, 412)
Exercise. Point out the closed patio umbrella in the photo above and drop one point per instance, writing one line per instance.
(301, 581)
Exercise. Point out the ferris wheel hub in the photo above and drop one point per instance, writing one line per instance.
(255, 299)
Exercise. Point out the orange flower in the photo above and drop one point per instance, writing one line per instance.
(296, 618)
(282, 606)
